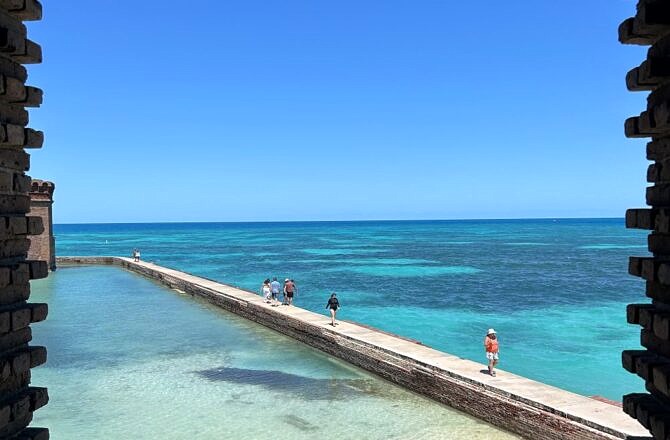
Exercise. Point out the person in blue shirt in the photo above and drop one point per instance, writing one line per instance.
(275, 288)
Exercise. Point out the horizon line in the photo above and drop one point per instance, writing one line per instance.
(343, 221)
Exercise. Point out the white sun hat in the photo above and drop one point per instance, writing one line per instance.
(491, 332)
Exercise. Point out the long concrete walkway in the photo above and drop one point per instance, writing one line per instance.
(531, 409)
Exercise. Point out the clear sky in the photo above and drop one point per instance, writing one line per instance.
(235, 110)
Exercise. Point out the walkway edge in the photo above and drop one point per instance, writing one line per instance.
(530, 409)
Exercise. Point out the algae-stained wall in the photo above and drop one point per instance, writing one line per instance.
(42, 246)
(18, 399)
(651, 27)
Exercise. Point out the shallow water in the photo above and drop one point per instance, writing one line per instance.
(555, 290)
(131, 359)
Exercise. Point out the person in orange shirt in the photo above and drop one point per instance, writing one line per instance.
(491, 346)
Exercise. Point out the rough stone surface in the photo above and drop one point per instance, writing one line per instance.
(17, 399)
(651, 26)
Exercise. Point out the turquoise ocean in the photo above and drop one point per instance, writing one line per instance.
(555, 290)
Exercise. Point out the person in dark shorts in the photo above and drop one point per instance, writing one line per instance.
(333, 305)
(289, 290)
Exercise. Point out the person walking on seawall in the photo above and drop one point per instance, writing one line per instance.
(289, 290)
(266, 291)
(136, 255)
(491, 346)
(333, 305)
(275, 288)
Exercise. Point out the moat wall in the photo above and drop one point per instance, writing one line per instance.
(508, 401)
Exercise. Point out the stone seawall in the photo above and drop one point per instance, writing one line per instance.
(525, 407)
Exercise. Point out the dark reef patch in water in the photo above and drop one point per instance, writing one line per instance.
(304, 387)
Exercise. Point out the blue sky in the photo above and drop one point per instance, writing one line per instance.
(312, 110)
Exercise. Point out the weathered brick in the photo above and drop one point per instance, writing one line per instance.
(35, 225)
(21, 362)
(5, 322)
(5, 276)
(38, 397)
(17, 247)
(39, 312)
(38, 356)
(20, 318)
(38, 269)
(6, 181)
(21, 183)
(37, 434)
(21, 407)
(17, 160)
(18, 225)
(14, 293)
(33, 138)
(23, 9)
(15, 339)
(14, 204)
(21, 273)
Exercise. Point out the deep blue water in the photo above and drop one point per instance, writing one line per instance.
(555, 290)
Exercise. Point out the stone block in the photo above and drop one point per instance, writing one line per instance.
(661, 378)
(15, 339)
(661, 325)
(21, 273)
(21, 407)
(33, 138)
(635, 266)
(13, 69)
(38, 269)
(640, 219)
(17, 160)
(658, 292)
(13, 114)
(14, 248)
(40, 434)
(658, 149)
(633, 312)
(628, 36)
(632, 128)
(26, 10)
(35, 225)
(629, 358)
(14, 293)
(33, 97)
(21, 183)
(38, 397)
(6, 181)
(659, 244)
(12, 89)
(5, 322)
(38, 312)
(659, 425)
(31, 53)
(17, 225)
(20, 318)
(14, 135)
(38, 356)
(5, 277)
(14, 204)
(21, 362)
